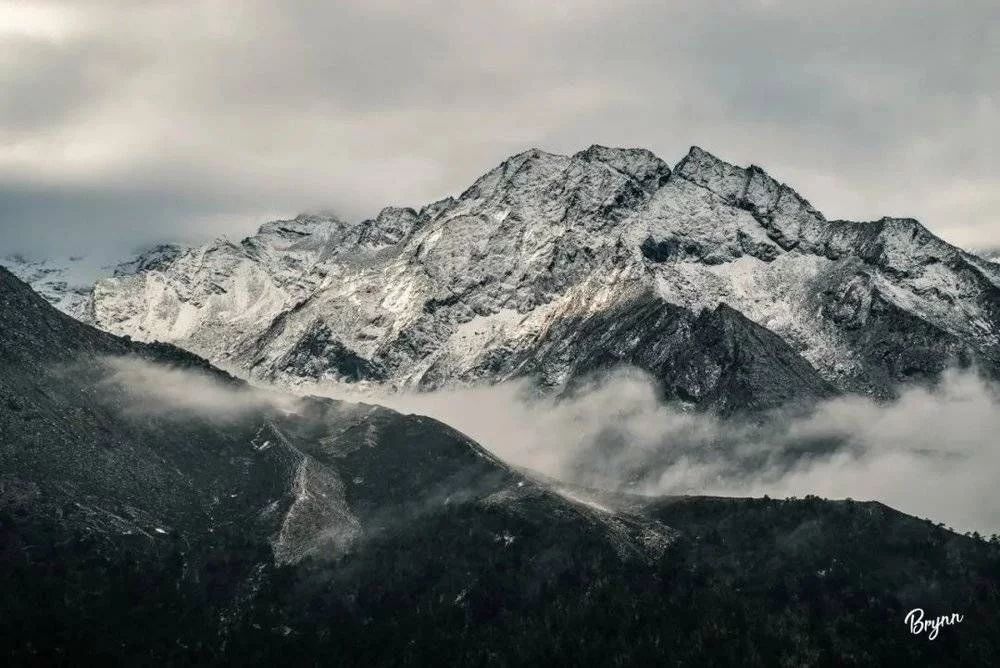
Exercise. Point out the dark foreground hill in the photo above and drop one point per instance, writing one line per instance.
(154, 510)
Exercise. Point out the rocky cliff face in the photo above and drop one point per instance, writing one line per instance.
(523, 273)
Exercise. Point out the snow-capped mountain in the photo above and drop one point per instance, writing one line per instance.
(725, 284)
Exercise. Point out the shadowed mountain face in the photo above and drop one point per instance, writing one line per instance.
(519, 275)
(716, 358)
(153, 509)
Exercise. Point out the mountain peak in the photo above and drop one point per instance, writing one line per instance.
(509, 169)
(392, 225)
(302, 225)
(154, 257)
(749, 188)
(533, 153)
(698, 153)
(612, 153)
(721, 177)
(638, 163)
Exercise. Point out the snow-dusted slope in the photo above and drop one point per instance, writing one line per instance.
(471, 288)
(65, 282)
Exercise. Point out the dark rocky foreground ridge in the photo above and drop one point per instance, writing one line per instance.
(243, 528)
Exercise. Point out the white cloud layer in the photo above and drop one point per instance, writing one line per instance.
(932, 453)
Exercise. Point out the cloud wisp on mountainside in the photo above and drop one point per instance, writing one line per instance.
(165, 390)
(931, 452)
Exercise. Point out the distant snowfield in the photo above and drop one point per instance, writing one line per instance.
(65, 281)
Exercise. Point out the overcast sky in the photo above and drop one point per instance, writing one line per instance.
(123, 123)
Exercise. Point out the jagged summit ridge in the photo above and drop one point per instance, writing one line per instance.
(745, 186)
(459, 289)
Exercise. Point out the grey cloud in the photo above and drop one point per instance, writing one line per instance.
(44, 85)
(931, 453)
(40, 220)
(249, 108)
(158, 389)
